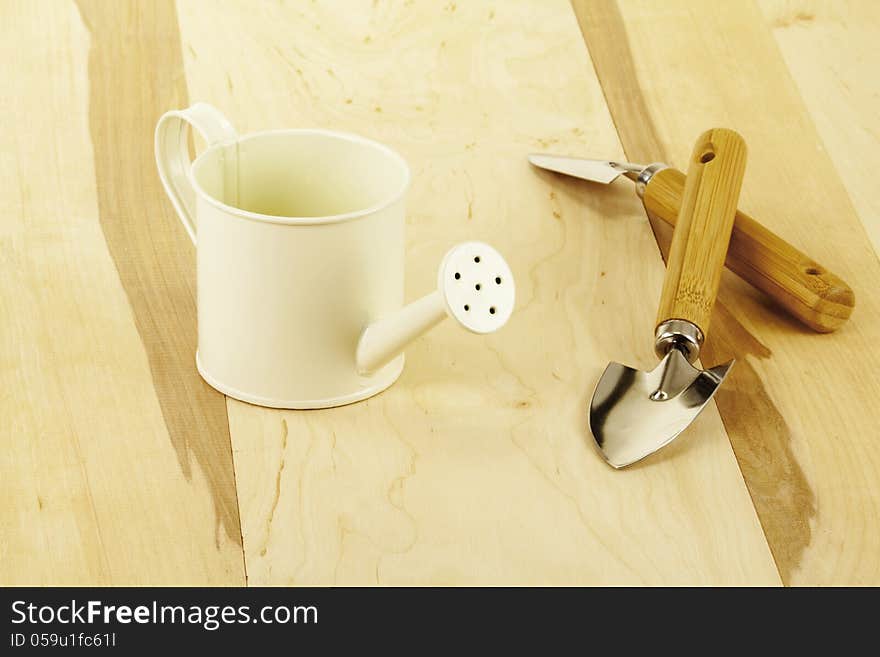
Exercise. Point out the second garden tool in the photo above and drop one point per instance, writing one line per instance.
(635, 413)
(807, 290)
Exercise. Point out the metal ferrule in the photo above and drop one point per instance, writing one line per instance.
(644, 176)
(678, 334)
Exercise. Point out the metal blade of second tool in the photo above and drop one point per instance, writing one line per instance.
(600, 171)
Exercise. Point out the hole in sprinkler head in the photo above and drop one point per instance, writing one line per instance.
(467, 307)
(457, 275)
(814, 271)
(498, 280)
(708, 156)
(477, 287)
(476, 258)
(492, 310)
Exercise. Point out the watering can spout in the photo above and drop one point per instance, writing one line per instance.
(474, 286)
(386, 338)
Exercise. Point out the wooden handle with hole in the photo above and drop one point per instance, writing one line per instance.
(703, 228)
(807, 290)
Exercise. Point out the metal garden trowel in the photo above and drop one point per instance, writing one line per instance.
(634, 413)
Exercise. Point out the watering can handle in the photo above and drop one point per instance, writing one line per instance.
(172, 154)
(703, 229)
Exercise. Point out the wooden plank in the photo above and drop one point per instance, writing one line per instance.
(93, 489)
(832, 50)
(800, 407)
(476, 467)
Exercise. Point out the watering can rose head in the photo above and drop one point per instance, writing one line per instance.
(474, 286)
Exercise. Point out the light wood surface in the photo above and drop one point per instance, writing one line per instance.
(798, 408)
(832, 52)
(476, 467)
(94, 490)
(156, 270)
(702, 228)
(793, 280)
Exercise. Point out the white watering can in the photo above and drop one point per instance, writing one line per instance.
(300, 262)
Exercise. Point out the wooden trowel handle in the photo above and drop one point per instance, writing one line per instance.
(810, 292)
(703, 227)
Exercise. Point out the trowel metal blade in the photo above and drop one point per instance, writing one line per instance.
(600, 171)
(635, 413)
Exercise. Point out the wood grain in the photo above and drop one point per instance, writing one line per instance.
(799, 414)
(153, 255)
(831, 50)
(702, 229)
(476, 467)
(92, 490)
